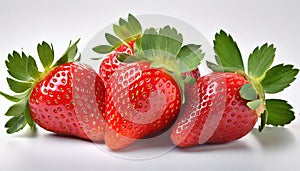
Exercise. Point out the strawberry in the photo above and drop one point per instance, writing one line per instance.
(127, 32)
(189, 88)
(229, 101)
(210, 118)
(140, 101)
(194, 74)
(143, 97)
(110, 63)
(123, 42)
(67, 98)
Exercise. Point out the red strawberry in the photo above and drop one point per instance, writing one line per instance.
(110, 63)
(67, 98)
(139, 101)
(229, 101)
(143, 97)
(189, 88)
(194, 74)
(124, 40)
(218, 115)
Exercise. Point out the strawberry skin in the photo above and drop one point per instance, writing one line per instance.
(218, 115)
(69, 100)
(139, 101)
(110, 63)
(194, 74)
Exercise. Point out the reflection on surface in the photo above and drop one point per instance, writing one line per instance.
(232, 146)
(143, 149)
(60, 137)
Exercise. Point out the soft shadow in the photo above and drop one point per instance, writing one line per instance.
(232, 146)
(152, 143)
(28, 133)
(274, 138)
(71, 138)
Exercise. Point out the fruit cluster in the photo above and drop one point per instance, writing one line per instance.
(148, 82)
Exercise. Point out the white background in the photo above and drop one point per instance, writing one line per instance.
(23, 24)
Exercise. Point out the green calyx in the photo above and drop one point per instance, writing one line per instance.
(24, 75)
(163, 48)
(263, 78)
(125, 32)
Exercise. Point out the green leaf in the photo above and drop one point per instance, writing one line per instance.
(17, 109)
(69, 55)
(138, 45)
(279, 112)
(263, 120)
(22, 67)
(227, 51)
(278, 78)
(103, 49)
(15, 124)
(72, 51)
(28, 117)
(126, 58)
(32, 68)
(171, 40)
(11, 98)
(165, 42)
(150, 42)
(122, 32)
(46, 54)
(122, 22)
(190, 57)
(136, 27)
(261, 60)
(114, 41)
(157, 65)
(218, 68)
(128, 30)
(254, 104)
(214, 67)
(17, 66)
(247, 92)
(17, 86)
